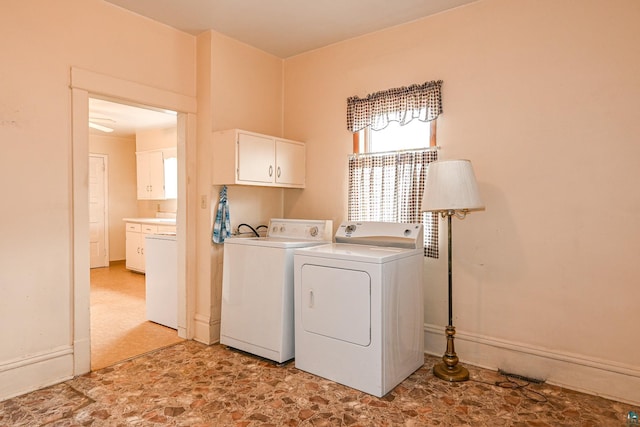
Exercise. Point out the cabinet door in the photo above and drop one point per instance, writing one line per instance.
(290, 167)
(156, 175)
(150, 175)
(134, 254)
(142, 175)
(256, 160)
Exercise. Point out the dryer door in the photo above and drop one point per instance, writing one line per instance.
(336, 303)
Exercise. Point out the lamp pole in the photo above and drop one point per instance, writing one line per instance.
(449, 369)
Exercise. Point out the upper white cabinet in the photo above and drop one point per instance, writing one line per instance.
(290, 166)
(156, 175)
(242, 157)
(150, 175)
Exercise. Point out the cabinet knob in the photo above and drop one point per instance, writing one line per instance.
(278, 173)
(270, 170)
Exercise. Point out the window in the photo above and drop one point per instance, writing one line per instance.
(412, 136)
(171, 178)
(391, 156)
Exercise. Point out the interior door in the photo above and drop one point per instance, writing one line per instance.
(98, 237)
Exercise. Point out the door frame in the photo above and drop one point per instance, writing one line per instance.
(105, 237)
(85, 84)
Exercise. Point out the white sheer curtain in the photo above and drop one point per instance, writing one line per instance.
(389, 187)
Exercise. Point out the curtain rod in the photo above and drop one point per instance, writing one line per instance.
(386, 153)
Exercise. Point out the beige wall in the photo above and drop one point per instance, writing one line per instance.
(42, 41)
(121, 154)
(156, 139)
(246, 93)
(543, 97)
(238, 87)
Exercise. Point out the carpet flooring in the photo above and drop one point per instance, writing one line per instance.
(119, 328)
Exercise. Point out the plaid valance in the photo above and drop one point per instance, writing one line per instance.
(422, 102)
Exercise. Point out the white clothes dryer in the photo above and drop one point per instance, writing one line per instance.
(359, 309)
(257, 287)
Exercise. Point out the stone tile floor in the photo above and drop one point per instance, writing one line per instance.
(191, 384)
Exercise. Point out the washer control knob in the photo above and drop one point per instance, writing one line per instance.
(407, 232)
(350, 228)
(313, 231)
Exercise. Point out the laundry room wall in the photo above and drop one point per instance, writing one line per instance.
(239, 87)
(44, 40)
(543, 97)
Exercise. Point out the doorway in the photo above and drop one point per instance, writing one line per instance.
(120, 328)
(84, 83)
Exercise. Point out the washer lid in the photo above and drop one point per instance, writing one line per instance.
(362, 253)
(273, 242)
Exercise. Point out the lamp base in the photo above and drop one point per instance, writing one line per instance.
(449, 370)
(457, 373)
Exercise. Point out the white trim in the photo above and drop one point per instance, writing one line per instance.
(79, 288)
(83, 84)
(186, 227)
(40, 370)
(36, 358)
(207, 331)
(600, 377)
(112, 87)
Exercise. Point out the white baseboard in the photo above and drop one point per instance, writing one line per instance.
(23, 375)
(207, 331)
(576, 372)
(82, 357)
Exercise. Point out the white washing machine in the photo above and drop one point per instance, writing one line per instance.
(257, 287)
(359, 307)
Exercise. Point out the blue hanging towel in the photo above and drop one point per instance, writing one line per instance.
(222, 226)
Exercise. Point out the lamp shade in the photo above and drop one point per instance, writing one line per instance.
(451, 186)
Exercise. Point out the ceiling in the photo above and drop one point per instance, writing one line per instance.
(287, 27)
(125, 120)
(283, 28)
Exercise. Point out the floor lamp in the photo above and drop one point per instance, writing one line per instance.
(451, 189)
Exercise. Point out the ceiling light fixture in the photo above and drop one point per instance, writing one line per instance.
(100, 127)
